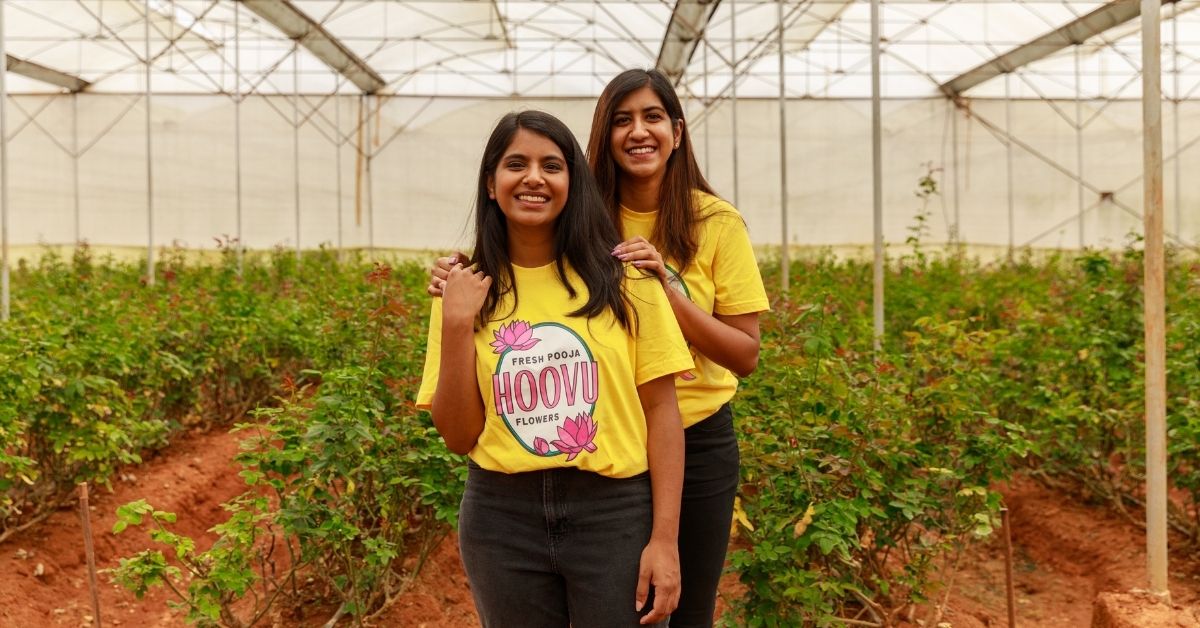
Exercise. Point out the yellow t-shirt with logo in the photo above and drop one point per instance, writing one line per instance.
(723, 278)
(561, 391)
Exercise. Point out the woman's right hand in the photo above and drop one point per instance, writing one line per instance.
(463, 294)
(439, 273)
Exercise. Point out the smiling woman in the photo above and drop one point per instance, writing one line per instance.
(530, 186)
(564, 400)
(697, 245)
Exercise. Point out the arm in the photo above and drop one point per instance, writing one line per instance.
(730, 341)
(664, 448)
(457, 406)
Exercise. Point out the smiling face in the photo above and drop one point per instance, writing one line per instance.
(643, 135)
(530, 182)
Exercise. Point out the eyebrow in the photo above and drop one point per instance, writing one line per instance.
(526, 158)
(644, 109)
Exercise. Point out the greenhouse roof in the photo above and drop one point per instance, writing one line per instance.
(569, 48)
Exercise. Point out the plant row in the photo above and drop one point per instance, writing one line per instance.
(864, 472)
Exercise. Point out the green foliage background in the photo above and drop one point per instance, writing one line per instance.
(862, 472)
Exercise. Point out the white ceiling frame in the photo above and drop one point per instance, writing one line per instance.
(39, 72)
(686, 28)
(313, 37)
(1075, 32)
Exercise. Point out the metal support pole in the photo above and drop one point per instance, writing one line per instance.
(75, 160)
(1079, 145)
(954, 234)
(149, 158)
(1008, 149)
(296, 138)
(237, 128)
(877, 177)
(370, 183)
(337, 121)
(783, 187)
(733, 72)
(1154, 297)
(707, 104)
(1175, 96)
(4, 295)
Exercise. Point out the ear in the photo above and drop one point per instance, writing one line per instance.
(678, 132)
(491, 187)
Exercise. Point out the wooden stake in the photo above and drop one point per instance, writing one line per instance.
(1154, 297)
(1008, 569)
(89, 550)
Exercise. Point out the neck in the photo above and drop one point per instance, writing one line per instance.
(640, 195)
(530, 247)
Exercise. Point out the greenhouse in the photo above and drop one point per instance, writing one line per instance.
(976, 223)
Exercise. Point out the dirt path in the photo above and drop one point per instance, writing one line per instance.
(191, 478)
(1065, 554)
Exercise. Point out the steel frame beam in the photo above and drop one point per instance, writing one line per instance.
(824, 12)
(313, 37)
(1073, 33)
(39, 72)
(688, 22)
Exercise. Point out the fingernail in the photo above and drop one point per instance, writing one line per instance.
(637, 606)
(637, 263)
(623, 257)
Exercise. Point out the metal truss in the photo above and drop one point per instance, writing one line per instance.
(44, 74)
(1075, 33)
(312, 35)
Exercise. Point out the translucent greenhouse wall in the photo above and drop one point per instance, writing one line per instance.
(427, 152)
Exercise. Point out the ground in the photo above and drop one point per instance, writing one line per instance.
(1066, 553)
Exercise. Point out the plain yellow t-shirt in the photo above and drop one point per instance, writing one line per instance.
(561, 391)
(723, 278)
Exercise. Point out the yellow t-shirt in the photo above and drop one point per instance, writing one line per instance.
(561, 391)
(723, 278)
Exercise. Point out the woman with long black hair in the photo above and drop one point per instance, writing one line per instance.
(552, 367)
(677, 229)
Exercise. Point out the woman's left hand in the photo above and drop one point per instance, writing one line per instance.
(639, 252)
(659, 567)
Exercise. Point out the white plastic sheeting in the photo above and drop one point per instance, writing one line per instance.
(452, 68)
(426, 155)
(570, 47)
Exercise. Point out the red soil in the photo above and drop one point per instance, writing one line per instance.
(191, 479)
(1065, 554)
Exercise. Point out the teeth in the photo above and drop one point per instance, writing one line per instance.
(641, 150)
(532, 198)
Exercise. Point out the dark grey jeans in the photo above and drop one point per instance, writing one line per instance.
(557, 548)
(710, 482)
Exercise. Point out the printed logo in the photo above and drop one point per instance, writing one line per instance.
(545, 388)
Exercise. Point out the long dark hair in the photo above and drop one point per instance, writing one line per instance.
(675, 229)
(583, 234)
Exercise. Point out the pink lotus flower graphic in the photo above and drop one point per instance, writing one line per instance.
(576, 436)
(517, 335)
(541, 446)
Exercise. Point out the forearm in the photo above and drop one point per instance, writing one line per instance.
(728, 346)
(664, 449)
(457, 407)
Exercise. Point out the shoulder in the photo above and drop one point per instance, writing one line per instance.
(711, 207)
(642, 287)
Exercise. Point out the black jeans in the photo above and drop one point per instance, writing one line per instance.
(710, 481)
(548, 549)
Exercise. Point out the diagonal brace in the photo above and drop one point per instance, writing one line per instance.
(310, 34)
